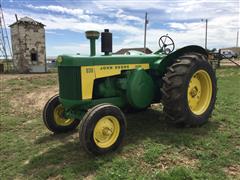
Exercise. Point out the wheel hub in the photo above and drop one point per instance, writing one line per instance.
(194, 91)
(59, 118)
(199, 92)
(106, 131)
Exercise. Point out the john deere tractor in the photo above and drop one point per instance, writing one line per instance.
(95, 90)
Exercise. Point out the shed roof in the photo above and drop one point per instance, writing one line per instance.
(27, 20)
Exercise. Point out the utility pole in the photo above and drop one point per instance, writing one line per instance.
(145, 31)
(206, 29)
(237, 38)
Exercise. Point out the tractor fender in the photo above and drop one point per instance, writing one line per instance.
(169, 59)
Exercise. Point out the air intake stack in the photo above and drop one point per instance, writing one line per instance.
(106, 41)
(92, 36)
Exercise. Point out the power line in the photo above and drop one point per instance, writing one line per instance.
(5, 43)
(2, 41)
(5, 29)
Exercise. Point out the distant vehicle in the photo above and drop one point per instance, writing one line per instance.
(51, 61)
(228, 53)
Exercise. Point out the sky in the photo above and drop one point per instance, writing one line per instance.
(66, 21)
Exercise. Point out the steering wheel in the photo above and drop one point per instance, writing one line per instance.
(166, 44)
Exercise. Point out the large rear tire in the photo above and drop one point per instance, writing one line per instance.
(54, 119)
(189, 90)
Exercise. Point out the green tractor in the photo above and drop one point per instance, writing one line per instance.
(94, 90)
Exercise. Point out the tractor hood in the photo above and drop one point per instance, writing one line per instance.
(77, 60)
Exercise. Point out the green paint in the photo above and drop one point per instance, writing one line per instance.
(77, 108)
(140, 89)
(92, 36)
(69, 82)
(106, 87)
(78, 60)
(134, 87)
(92, 47)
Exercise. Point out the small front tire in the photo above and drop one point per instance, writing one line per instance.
(102, 129)
(53, 117)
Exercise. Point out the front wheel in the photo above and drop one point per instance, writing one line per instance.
(102, 129)
(54, 119)
(189, 90)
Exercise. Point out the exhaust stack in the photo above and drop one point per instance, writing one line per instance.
(106, 38)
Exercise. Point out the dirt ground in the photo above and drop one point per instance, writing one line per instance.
(226, 62)
(28, 100)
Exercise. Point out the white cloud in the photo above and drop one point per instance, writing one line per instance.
(180, 26)
(221, 33)
(120, 14)
(81, 48)
(131, 4)
(78, 13)
(180, 19)
(54, 32)
(57, 22)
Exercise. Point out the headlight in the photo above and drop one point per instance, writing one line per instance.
(59, 59)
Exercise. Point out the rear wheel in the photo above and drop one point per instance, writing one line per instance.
(189, 90)
(54, 119)
(102, 129)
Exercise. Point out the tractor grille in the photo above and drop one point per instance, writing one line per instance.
(69, 82)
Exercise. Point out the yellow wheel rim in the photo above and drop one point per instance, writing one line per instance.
(106, 131)
(199, 92)
(58, 116)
